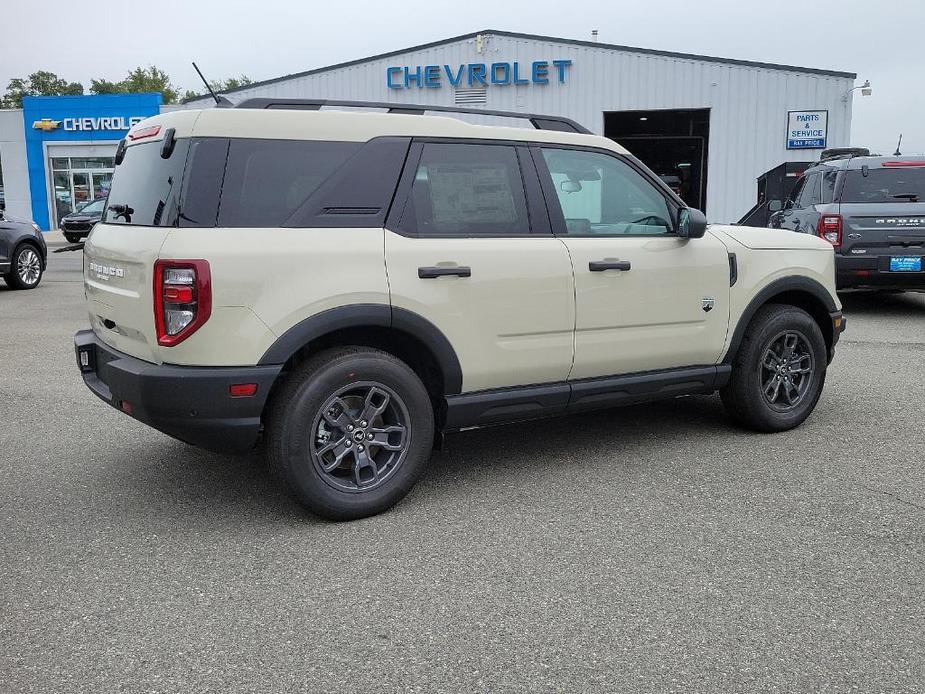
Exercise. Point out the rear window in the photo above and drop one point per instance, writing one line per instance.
(145, 187)
(267, 180)
(885, 185)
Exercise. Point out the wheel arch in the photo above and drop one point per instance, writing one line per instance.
(802, 292)
(402, 333)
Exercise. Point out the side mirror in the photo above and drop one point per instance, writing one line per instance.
(692, 223)
(775, 205)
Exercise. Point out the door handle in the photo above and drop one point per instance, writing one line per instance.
(426, 273)
(601, 265)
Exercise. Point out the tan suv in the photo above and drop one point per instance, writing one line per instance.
(352, 285)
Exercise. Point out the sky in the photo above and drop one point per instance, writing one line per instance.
(880, 41)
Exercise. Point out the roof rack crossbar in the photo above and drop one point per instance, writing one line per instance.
(538, 121)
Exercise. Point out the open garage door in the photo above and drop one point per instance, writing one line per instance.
(672, 142)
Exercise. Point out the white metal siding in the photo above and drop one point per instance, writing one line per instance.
(748, 104)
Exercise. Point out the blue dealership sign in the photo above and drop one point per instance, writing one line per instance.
(539, 72)
(79, 120)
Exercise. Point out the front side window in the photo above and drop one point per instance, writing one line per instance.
(601, 195)
(467, 190)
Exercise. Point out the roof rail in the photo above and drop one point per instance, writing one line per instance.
(540, 122)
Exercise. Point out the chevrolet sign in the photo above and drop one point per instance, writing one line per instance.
(89, 124)
(46, 124)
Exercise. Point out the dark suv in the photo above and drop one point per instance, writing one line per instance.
(23, 252)
(78, 224)
(872, 211)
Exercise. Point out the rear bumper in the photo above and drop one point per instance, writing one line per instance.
(189, 403)
(874, 271)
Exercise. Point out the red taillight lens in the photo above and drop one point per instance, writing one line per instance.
(182, 299)
(830, 229)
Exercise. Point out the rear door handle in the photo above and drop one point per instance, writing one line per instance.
(601, 265)
(426, 273)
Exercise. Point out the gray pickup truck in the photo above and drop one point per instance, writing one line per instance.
(872, 210)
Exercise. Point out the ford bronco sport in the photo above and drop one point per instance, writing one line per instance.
(872, 210)
(351, 285)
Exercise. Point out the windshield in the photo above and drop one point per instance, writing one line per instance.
(885, 185)
(95, 207)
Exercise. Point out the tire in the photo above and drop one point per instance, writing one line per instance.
(26, 269)
(318, 438)
(762, 362)
(72, 238)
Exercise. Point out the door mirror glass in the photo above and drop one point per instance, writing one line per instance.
(775, 205)
(692, 223)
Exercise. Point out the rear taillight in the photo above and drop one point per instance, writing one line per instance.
(182, 299)
(830, 229)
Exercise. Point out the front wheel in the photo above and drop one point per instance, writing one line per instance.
(72, 238)
(350, 432)
(778, 372)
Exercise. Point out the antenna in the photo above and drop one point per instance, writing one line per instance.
(220, 102)
(897, 153)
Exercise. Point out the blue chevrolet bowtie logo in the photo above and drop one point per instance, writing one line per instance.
(46, 124)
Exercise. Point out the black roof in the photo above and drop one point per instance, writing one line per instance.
(537, 37)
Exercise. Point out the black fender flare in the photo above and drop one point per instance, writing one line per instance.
(370, 315)
(806, 285)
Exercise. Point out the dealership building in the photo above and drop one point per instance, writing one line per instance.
(709, 126)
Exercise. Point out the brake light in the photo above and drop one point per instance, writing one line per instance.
(830, 226)
(142, 133)
(892, 164)
(182, 299)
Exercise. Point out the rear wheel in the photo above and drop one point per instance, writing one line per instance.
(26, 269)
(779, 371)
(350, 432)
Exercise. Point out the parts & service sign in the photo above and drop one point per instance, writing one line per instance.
(807, 129)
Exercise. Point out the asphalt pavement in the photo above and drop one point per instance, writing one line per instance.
(647, 549)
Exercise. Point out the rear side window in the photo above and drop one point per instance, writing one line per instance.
(145, 187)
(885, 185)
(467, 190)
(811, 194)
(267, 180)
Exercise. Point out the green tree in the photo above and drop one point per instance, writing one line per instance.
(137, 81)
(219, 86)
(40, 83)
(231, 83)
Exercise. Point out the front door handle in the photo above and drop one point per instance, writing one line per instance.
(426, 273)
(602, 265)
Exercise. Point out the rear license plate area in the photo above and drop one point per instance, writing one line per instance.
(906, 263)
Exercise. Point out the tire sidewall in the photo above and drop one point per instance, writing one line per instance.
(296, 435)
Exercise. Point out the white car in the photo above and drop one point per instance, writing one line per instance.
(351, 285)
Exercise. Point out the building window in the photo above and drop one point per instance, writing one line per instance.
(78, 181)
